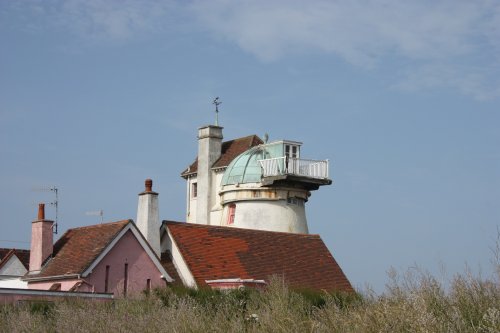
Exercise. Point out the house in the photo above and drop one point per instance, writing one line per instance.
(246, 222)
(14, 263)
(102, 258)
(246, 218)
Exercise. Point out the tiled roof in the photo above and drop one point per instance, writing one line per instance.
(229, 151)
(79, 247)
(22, 255)
(3, 253)
(213, 252)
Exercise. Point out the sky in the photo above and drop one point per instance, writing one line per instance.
(402, 97)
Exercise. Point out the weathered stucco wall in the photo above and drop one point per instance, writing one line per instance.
(140, 268)
(275, 215)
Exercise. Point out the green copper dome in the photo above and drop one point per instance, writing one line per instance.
(246, 168)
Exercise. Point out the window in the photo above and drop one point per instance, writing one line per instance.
(194, 190)
(231, 213)
(125, 280)
(291, 151)
(148, 284)
(106, 280)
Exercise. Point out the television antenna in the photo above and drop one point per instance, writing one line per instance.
(54, 203)
(217, 102)
(99, 212)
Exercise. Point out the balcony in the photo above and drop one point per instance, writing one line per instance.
(281, 166)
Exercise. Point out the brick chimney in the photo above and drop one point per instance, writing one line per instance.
(209, 150)
(148, 217)
(41, 240)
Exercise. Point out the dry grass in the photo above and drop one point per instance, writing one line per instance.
(412, 302)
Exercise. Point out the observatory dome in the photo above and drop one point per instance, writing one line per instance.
(246, 168)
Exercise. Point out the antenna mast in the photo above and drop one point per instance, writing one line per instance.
(217, 102)
(54, 203)
(99, 212)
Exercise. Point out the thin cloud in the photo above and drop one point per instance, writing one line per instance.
(448, 43)
(433, 38)
(95, 20)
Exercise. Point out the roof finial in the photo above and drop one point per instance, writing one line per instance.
(217, 102)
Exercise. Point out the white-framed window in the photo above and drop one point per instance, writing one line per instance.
(291, 151)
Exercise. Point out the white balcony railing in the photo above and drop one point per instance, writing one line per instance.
(294, 166)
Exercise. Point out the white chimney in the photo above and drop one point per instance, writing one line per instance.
(148, 217)
(41, 240)
(209, 150)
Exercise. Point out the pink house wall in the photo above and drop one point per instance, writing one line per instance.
(45, 285)
(127, 250)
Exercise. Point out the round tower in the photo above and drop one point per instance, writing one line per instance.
(267, 187)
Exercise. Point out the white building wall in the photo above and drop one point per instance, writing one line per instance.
(180, 265)
(216, 211)
(277, 215)
(14, 283)
(192, 201)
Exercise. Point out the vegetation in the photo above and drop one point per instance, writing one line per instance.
(414, 302)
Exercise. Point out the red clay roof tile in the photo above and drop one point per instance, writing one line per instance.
(213, 252)
(229, 151)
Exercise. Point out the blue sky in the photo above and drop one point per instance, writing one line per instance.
(403, 97)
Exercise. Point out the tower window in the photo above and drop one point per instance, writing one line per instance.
(194, 190)
(231, 213)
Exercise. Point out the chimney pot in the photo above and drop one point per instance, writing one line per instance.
(41, 212)
(149, 185)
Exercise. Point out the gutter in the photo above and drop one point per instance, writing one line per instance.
(53, 277)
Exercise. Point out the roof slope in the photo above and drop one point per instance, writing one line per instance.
(229, 151)
(213, 252)
(79, 247)
(4, 252)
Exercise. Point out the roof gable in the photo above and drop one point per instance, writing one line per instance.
(229, 151)
(213, 252)
(79, 247)
(79, 250)
(22, 255)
